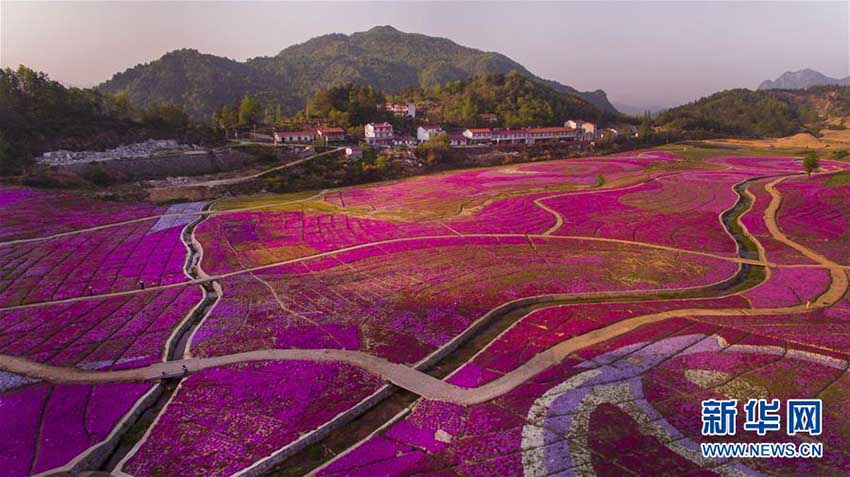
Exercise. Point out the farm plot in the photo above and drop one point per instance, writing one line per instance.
(816, 214)
(371, 298)
(679, 210)
(518, 215)
(92, 263)
(397, 271)
(630, 406)
(223, 420)
(789, 286)
(753, 220)
(27, 213)
(445, 195)
(249, 239)
(53, 424)
(825, 330)
(759, 166)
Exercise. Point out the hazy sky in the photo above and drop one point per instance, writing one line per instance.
(641, 53)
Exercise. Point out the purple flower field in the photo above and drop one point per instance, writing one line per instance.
(629, 290)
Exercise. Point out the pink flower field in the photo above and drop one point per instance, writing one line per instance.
(27, 213)
(815, 214)
(112, 259)
(221, 421)
(55, 423)
(370, 298)
(605, 412)
(561, 318)
(680, 210)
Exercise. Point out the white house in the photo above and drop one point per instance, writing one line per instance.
(478, 134)
(588, 129)
(426, 132)
(294, 136)
(378, 133)
(353, 152)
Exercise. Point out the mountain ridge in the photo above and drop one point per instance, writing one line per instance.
(802, 79)
(383, 57)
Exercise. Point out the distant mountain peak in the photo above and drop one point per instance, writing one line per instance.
(802, 79)
(383, 29)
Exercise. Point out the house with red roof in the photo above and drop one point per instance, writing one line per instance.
(298, 137)
(329, 135)
(478, 134)
(378, 133)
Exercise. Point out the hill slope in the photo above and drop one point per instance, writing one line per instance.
(383, 57)
(754, 114)
(803, 79)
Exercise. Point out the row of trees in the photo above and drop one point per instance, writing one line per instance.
(349, 106)
(246, 113)
(516, 100)
(38, 114)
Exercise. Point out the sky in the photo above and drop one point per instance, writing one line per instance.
(643, 54)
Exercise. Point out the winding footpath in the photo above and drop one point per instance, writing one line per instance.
(432, 388)
(330, 253)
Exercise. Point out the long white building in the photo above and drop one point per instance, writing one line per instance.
(522, 136)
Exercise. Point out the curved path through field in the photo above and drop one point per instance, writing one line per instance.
(427, 386)
(273, 204)
(242, 271)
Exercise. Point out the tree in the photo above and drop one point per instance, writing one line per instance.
(278, 117)
(166, 114)
(10, 163)
(118, 105)
(268, 117)
(811, 163)
(433, 150)
(249, 111)
(645, 130)
(225, 118)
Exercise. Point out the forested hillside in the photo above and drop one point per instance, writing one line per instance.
(383, 57)
(514, 99)
(38, 114)
(764, 113)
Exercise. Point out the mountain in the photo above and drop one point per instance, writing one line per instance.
(764, 113)
(383, 57)
(803, 79)
(639, 111)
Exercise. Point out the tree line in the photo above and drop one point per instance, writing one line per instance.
(38, 114)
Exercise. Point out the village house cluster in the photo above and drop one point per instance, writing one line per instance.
(382, 134)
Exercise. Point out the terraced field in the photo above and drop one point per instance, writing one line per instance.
(519, 320)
